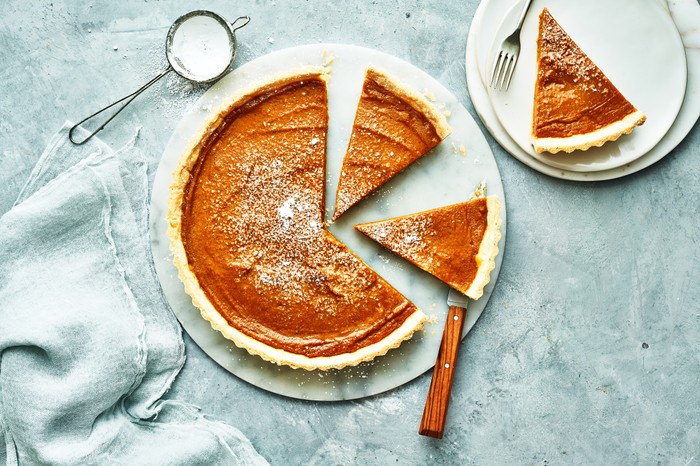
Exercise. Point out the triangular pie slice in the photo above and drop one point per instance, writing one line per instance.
(246, 216)
(393, 128)
(576, 105)
(457, 244)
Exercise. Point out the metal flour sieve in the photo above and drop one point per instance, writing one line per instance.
(200, 46)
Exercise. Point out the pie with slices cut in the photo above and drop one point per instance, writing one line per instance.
(246, 227)
(393, 127)
(576, 105)
(457, 244)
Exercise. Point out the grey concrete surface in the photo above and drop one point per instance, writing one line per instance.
(589, 350)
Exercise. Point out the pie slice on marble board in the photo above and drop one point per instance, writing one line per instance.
(457, 244)
(394, 126)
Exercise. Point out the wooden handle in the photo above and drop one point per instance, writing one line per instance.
(435, 412)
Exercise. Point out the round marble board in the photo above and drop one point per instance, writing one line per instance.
(447, 175)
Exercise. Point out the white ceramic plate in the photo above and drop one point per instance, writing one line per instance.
(443, 177)
(487, 18)
(638, 47)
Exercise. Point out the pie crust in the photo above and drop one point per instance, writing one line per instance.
(394, 126)
(457, 244)
(232, 291)
(576, 106)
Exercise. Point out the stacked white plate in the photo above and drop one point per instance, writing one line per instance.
(648, 49)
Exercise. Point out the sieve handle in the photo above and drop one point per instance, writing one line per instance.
(126, 99)
(234, 28)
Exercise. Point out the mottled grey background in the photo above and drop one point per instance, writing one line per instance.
(589, 350)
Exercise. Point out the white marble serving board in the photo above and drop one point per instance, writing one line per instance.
(484, 27)
(445, 176)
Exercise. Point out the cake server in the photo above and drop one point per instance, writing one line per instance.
(433, 421)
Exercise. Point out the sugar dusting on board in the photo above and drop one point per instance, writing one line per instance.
(201, 46)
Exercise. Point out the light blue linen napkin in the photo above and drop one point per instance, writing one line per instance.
(88, 344)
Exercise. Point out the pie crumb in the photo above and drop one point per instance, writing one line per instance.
(429, 95)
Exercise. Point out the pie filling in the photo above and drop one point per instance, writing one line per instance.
(252, 228)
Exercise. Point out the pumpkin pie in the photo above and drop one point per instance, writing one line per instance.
(393, 127)
(246, 227)
(576, 105)
(457, 244)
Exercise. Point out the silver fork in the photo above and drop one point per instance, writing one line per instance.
(508, 55)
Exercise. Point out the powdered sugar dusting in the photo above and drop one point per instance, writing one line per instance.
(286, 212)
(411, 239)
(179, 93)
(404, 236)
(201, 49)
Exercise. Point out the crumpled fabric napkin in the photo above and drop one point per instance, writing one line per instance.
(88, 344)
